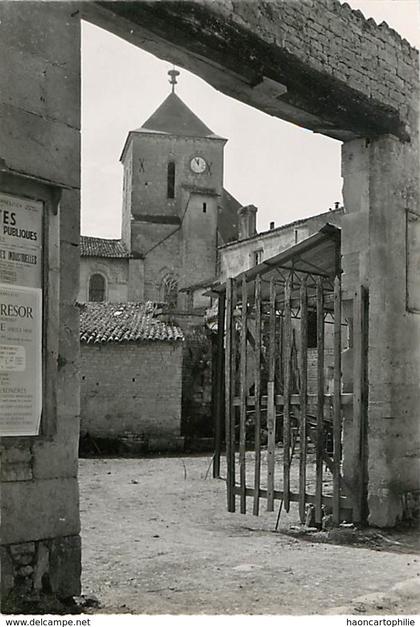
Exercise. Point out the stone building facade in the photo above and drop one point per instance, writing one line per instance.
(252, 248)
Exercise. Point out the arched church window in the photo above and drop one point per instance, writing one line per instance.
(171, 179)
(169, 291)
(97, 288)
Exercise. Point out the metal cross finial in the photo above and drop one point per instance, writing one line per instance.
(173, 74)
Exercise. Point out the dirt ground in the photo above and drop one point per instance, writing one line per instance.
(157, 539)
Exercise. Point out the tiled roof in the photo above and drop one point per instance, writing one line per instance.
(99, 247)
(125, 322)
(174, 117)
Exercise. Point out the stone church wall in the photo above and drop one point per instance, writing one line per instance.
(40, 136)
(162, 261)
(151, 154)
(166, 231)
(199, 239)
(115, 272)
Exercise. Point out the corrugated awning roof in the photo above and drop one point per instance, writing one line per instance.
(317, 255)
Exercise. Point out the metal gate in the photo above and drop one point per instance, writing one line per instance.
(283, 331)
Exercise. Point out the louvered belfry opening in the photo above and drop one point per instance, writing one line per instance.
(286, 410)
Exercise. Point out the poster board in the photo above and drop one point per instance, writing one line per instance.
(21, 293)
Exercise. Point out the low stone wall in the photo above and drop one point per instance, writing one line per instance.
(131, 388)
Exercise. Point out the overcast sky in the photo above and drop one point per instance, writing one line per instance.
(286, 171)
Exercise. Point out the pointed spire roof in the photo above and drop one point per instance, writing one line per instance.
(173, 117)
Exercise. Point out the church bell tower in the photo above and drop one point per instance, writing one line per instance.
(173, 183)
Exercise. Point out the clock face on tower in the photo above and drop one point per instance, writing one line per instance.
(198, 165)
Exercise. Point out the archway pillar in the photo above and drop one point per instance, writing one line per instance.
(381, 196)
(40, 551)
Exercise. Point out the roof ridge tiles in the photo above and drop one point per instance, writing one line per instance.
(125, 322)
(103, 247)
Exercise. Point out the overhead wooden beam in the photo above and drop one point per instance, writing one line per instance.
(238, 61)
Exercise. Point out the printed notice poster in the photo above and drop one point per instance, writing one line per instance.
(20, 315)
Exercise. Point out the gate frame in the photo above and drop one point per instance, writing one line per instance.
(226, 294)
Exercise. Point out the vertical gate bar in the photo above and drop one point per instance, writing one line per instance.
(234, 392)
(271, 408)
(364, 298)
(320, 412)
(257, 396)
(287, 391)
(228, 393)
(357, 404)
(280, 378)
(337, 422)
(219, 384)
(243, 398)
(303, 395)
(359, 401)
